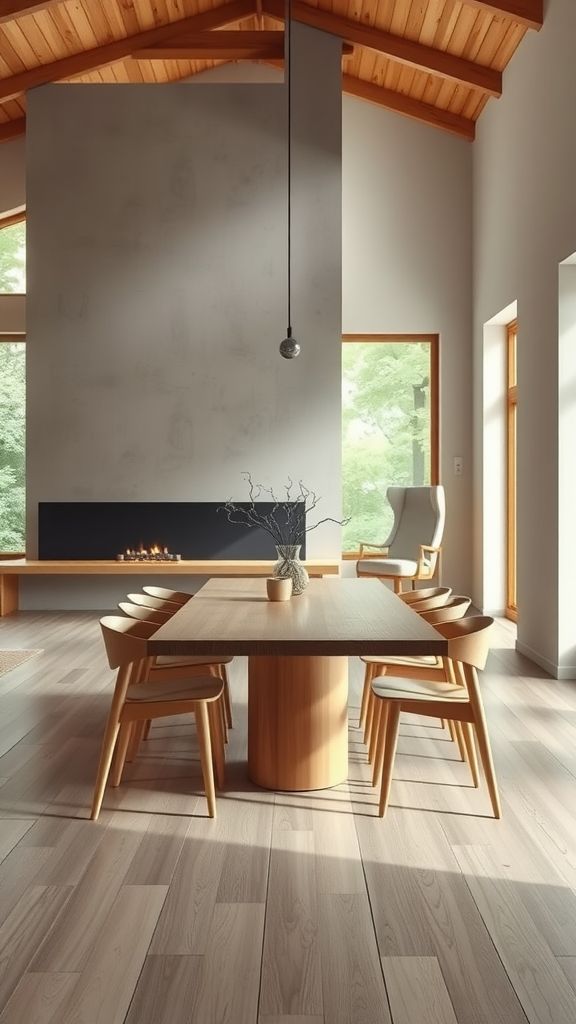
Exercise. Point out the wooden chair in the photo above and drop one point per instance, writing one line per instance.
(179, 597)
(438, 599)
(429, 668)
(159, 603)
(408, 596)
(173, 666)
(458, 700)
(135, 701)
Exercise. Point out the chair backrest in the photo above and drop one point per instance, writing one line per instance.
(468, 639)
(140, 611)
(438, 600)
(178, 596)
(153, 602)
(415, 596)
(125, 639)
(455, 608)
(419, 515)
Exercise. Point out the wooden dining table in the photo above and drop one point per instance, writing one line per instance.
(298, 653)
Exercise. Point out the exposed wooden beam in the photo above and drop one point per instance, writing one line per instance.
(12, 129)
(425, 58)
(120, 49)
(217, 46)
(6, 220)
(525, 12)
(418, 111)
(235, 45)
(10, 9)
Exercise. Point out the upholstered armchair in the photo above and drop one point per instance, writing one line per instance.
(411, 550)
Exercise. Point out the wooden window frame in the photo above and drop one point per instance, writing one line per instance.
(434, 341)
(511, 468)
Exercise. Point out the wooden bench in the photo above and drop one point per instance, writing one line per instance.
(12, 569)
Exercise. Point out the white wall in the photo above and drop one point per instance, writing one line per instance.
(524, 226)
(406, 258)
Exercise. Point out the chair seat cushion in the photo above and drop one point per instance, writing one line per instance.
(394, 688)
(388, 566)
(194, 688)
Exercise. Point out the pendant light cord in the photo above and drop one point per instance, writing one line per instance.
(288, 69)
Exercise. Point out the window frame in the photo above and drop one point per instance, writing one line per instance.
(434, 341)
(511, 609)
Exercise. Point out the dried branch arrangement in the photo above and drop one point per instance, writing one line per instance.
(286, 522)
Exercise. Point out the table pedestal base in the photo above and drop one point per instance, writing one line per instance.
(297, 722)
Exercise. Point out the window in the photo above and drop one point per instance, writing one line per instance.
(511, 403)
(12, 394)
(13, 256)
(389, 427)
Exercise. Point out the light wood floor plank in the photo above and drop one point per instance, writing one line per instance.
(352, 982)
(187, 914)
(538, 980)
(244, 874)
(417, 991)
(13, 830)
(39, 999)
(166, 990)
(283, 1019)
(234, 951)
(291, 970)
(106, 985)
(568, 965)
(422, 906)
(70, 942)
(24, 930)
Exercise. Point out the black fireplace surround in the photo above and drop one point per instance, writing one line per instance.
(101, 530)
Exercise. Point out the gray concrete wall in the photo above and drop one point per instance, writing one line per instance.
(157, 290)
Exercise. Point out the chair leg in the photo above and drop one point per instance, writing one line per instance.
(203, 730)
(380, 742)
(108, 745)
(226, 697)
(138, 730)
(217, 723)
(374, 732)
(110, 737)
(121, 751)
(468, 737)
(391, 741)
(369, 720)
(458, 736)
(482, 740)
(368, 673)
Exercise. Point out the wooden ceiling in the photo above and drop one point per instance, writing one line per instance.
(438, 61)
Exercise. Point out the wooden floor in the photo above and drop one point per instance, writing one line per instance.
(286, 909)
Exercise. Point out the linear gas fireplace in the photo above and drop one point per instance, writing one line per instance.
(150, 530)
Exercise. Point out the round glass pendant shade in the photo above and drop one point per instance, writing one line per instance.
(289, 348)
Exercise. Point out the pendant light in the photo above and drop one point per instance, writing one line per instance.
(289, 348)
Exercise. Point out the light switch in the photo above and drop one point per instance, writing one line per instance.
(457, 465)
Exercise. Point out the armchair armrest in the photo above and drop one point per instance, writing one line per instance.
(427, 560)
(382, 548)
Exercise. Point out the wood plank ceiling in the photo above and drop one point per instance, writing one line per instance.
(438, 61)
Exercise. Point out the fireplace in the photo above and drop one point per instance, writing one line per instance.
(102, 530)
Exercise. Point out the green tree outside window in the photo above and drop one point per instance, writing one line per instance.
(12, 399)
(386, 430)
